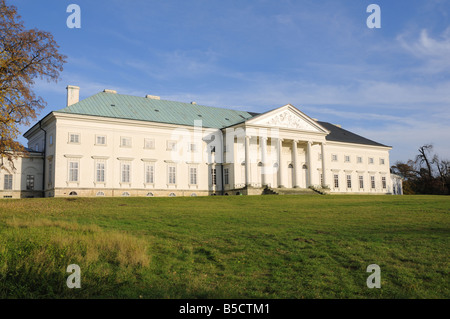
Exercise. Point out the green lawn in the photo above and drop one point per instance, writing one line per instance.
(226, 247)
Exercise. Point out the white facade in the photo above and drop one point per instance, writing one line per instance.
(88, 155)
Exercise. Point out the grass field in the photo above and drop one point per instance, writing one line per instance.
(226, 247)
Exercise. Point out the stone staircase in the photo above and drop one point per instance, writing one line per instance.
(290, 191)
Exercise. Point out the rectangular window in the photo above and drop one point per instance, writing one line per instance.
(349, 181)
(8, 182)
(150, 174)
(361, 181)
(125, 172)
(50, 139)
(383, 182)
(100, 172)
(372, 182)
(370, 160)
(100, 140)
(347, 158)
(213, 176)
(193, 175)
(73, 171)
(125, 141)
(149, 143)
(321, 179)
(74, 138)
(30, 182)
(381, 161)
(334, 157)
(50, 172)
(171, 145)
(172, 174)
(36, 147)
(192, 147)
(359, 159)
(226, 176)
(336, 181)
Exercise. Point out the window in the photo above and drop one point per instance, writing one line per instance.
(336, 181)
(370, 160)
(320, 157)
(149, 173)
(73, 193)
(125, 173)
(372, 182)
(193, 195)
(359, 159)
(226, 176)
(192, 147)
(126, 194)
(171, 145)
(74, 138)
(172, 174)
(213, 176)
(361, 181)
(149, 143)
(125, 142)
(193, 175)
(213, 149)
(36, 147)
(381, 161)
(100, 140)
(149, 194)
(383, 182)
(321, 179)
(334, 157)
(172, 195)
(8, 181)
(30, 182)
(73, 171)
(100, 194)
(347, 158)
(50, 172)
(100, 172)
(349, 181)
(50, 139)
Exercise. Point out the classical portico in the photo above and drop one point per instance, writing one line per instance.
(279, 147)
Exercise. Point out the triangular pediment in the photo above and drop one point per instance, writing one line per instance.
(288, 117)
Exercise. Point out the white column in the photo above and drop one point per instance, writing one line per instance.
(247, 161)
(263, 146)
(280, 164)
(308, 156)
(324, 166)
(295, 182)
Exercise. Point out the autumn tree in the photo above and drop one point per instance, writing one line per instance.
(25, 56)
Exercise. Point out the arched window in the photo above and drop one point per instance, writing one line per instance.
(125, 194)
(226, 194)
(172, 195)
(73, 193)
(243, 163)
(290, 166)
(149, 194)
(100, 194)
(193, 194)
(304, 166)
(238, 193)
(260, 164)
(275, 165)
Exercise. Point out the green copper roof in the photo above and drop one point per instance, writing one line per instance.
(161, 111)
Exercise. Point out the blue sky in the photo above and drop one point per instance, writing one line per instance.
(391, 84)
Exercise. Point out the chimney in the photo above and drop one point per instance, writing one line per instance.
(152, 97)
(193, 102)
(338, 125)
(110, 91)
(73, 94)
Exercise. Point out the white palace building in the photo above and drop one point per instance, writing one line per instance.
(119, 145)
